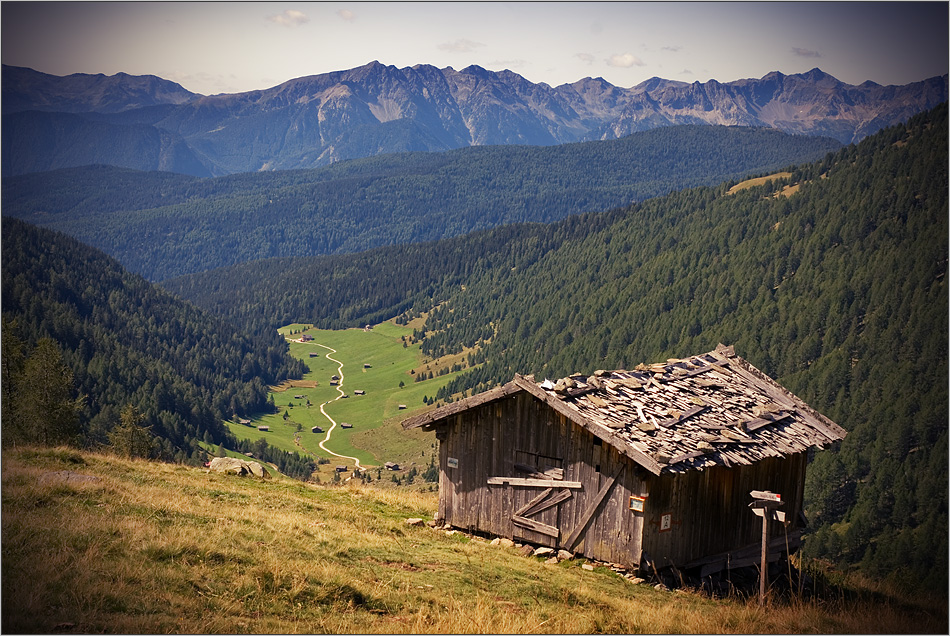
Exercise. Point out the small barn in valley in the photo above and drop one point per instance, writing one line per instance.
(646, 468)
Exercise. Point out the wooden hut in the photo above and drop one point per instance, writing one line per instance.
(652, 467)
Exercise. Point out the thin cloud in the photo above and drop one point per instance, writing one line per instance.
(217, 83)
(460, 46)
(805, 52)
(289, 18)
(346, 14)
(587, 58)
(625, 60)
(676, 48)
(509, 64)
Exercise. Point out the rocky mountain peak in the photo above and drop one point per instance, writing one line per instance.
(378, 108)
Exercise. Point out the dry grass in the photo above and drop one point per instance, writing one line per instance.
(434, 365)
(292, 384)
(751, 183)
(150, 548)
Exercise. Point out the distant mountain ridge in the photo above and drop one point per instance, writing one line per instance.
(26, 89)
(376, 109)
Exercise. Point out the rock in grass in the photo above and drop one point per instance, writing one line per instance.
(67, 477)
(235, 466)
(258, 471)
(414, 521)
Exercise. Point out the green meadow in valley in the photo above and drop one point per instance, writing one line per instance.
(379, 363)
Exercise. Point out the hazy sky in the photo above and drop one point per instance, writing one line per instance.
(217, 47)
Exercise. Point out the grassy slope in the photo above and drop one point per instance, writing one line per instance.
(152, 548)
(376, 436)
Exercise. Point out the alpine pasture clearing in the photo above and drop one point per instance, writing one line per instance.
(751, 183)
(375, 362)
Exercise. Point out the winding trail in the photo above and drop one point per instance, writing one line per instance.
(333, 423)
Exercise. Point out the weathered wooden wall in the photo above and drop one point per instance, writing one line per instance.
(709, 510)
(489, 440)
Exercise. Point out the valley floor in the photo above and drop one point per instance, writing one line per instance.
(347, 409)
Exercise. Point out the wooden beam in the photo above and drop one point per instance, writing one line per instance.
(746, 555)
(765, 419)
(696, 410)
(533, 483)
(592, 508)
(537, 526)
(685, 456)
(439, 415)
(542, 506)
(525, 508)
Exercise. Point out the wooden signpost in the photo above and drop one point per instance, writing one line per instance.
(765, 505)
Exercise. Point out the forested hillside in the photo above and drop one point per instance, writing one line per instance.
(162, 225)
(836, 287)
(70, 310)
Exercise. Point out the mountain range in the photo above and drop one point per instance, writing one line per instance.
(146, 123)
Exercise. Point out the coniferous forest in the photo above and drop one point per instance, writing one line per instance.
(163, 225)
(84, 339)
(832, 281)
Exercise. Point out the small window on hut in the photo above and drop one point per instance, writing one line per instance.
(540, 466)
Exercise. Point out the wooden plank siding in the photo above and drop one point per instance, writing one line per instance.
(489, 440)
(710, 510)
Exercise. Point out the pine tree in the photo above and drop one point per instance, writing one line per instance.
(44, 410)
(130, 438)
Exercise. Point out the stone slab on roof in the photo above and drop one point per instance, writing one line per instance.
(713, 409)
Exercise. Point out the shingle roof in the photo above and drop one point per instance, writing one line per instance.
(713, 409)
